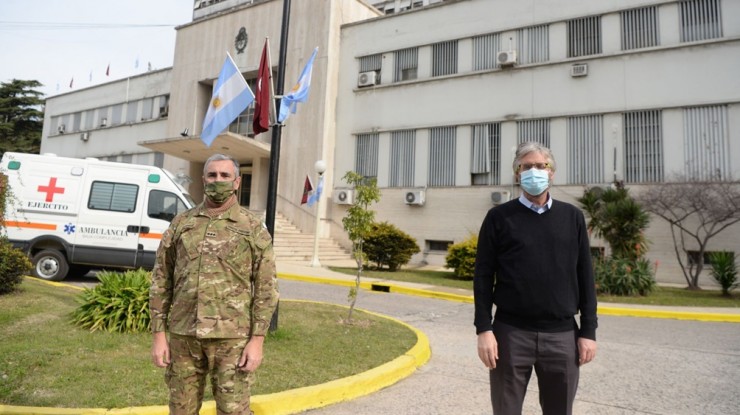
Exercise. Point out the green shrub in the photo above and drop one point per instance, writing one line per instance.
(14, 264)
(622, 276)
(120, 303)
(386, 245)
(724, 270)
(461, 257)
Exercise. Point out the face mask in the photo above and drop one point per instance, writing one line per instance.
(219, 192)
(534, 181)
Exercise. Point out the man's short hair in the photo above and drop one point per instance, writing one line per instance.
(531, 147)
(219, 157)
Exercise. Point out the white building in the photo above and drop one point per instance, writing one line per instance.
(432, 100)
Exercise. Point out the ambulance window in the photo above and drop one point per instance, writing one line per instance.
(164, 205)
(118, 197)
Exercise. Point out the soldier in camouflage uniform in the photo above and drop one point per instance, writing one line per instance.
(214, 290)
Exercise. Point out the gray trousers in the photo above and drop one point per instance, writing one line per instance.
(554, 357)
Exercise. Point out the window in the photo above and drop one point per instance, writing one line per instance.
(533, 44)
(76, 121)
(164, 205)
(584, 36)
(164, 106)
(147, 106)
(117, 115)
(485, 158)
(707, 143)
(403, 152)
(89, 118)
(372, 63)
(442, 144)
(700, 20)
(117, 197)
(407, 61)
(131, 109)
(439, 246)
(643, 146)
(366, 155)
(485, 50)
(534, 130)
(639, 28)
(243, 123)
(585, 149)
(444, 58)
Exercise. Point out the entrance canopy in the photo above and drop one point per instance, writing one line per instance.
(191, 148)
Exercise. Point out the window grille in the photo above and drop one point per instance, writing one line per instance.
(639, 28)
(643, 146)
(707, 143)
(586, 149)
(700, 20)
(442, 144)
(485, 159)
(444, 58)
(366, 155)
(403, 149)
(584, 36)
(485, 49)
(534, 130)
(407, 62)
(533, 44)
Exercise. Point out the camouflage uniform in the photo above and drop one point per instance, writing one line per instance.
(213, 287)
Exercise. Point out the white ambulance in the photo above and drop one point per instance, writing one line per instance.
(73, 215)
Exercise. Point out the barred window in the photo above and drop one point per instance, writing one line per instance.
(444, 58)
(537, 131)
(485, 158)
(485, 49)
(366, 154)
(643, 146)
(407, 62)
(700, 20)
(707, 143)
(442, 144)
(585, 149)
(533, 44)
(639, 28)
(403, 149)
(584, 36)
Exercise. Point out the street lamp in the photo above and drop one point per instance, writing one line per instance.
(320, 167)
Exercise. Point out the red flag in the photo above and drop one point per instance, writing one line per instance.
(107, 70)
(307, 189)
(261, 121)
(71, 82)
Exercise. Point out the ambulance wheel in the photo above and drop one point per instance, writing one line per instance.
(50, 265)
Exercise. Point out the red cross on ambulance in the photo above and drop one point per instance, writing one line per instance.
(51, 189)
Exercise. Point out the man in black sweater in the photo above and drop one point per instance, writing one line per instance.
(534, 263)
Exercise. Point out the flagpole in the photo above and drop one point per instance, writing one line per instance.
(275, 147)
(272, 85)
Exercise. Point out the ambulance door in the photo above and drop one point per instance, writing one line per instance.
(161, 206)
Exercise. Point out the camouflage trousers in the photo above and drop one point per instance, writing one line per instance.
(192, 359)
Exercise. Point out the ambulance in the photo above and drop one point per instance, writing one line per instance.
(73, 215)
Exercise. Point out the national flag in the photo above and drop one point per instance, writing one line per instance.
(317, 194)
(299, 93)
(261, 122)
(71, 82)
(107, 70)
(307, 189)
(231, 96)
(136, 63)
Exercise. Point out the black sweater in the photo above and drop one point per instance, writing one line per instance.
(536, 268)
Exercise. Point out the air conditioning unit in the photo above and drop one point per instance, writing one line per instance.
(85, 136)
(579, 69)
(367, 79)
(506, 58)
(499, 197)
(343, 196)
(164, 111)
(61, 129)
(414, 197)
(103, 122)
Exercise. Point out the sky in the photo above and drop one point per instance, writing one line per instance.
(58, 42)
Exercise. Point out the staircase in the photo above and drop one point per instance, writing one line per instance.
(291, 245)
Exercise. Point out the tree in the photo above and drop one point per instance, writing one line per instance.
(21, 116)
(358, 223)
(697, 211)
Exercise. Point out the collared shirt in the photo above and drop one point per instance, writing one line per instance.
(537, 208)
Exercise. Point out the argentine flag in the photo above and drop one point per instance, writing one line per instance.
(299, 93)
(231, 97)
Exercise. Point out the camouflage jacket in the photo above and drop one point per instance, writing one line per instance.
(214, 277)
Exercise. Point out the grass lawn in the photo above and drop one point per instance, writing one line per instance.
(45, 361)
(661, 296)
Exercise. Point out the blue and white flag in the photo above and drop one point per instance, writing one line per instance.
(299, 93)
(231, 97)
(317, 194)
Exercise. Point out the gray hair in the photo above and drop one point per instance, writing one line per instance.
(219, 157)
(531, 147)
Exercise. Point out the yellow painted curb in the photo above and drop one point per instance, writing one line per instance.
(675, 315)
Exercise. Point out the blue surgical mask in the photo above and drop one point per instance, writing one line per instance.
(534, 181)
